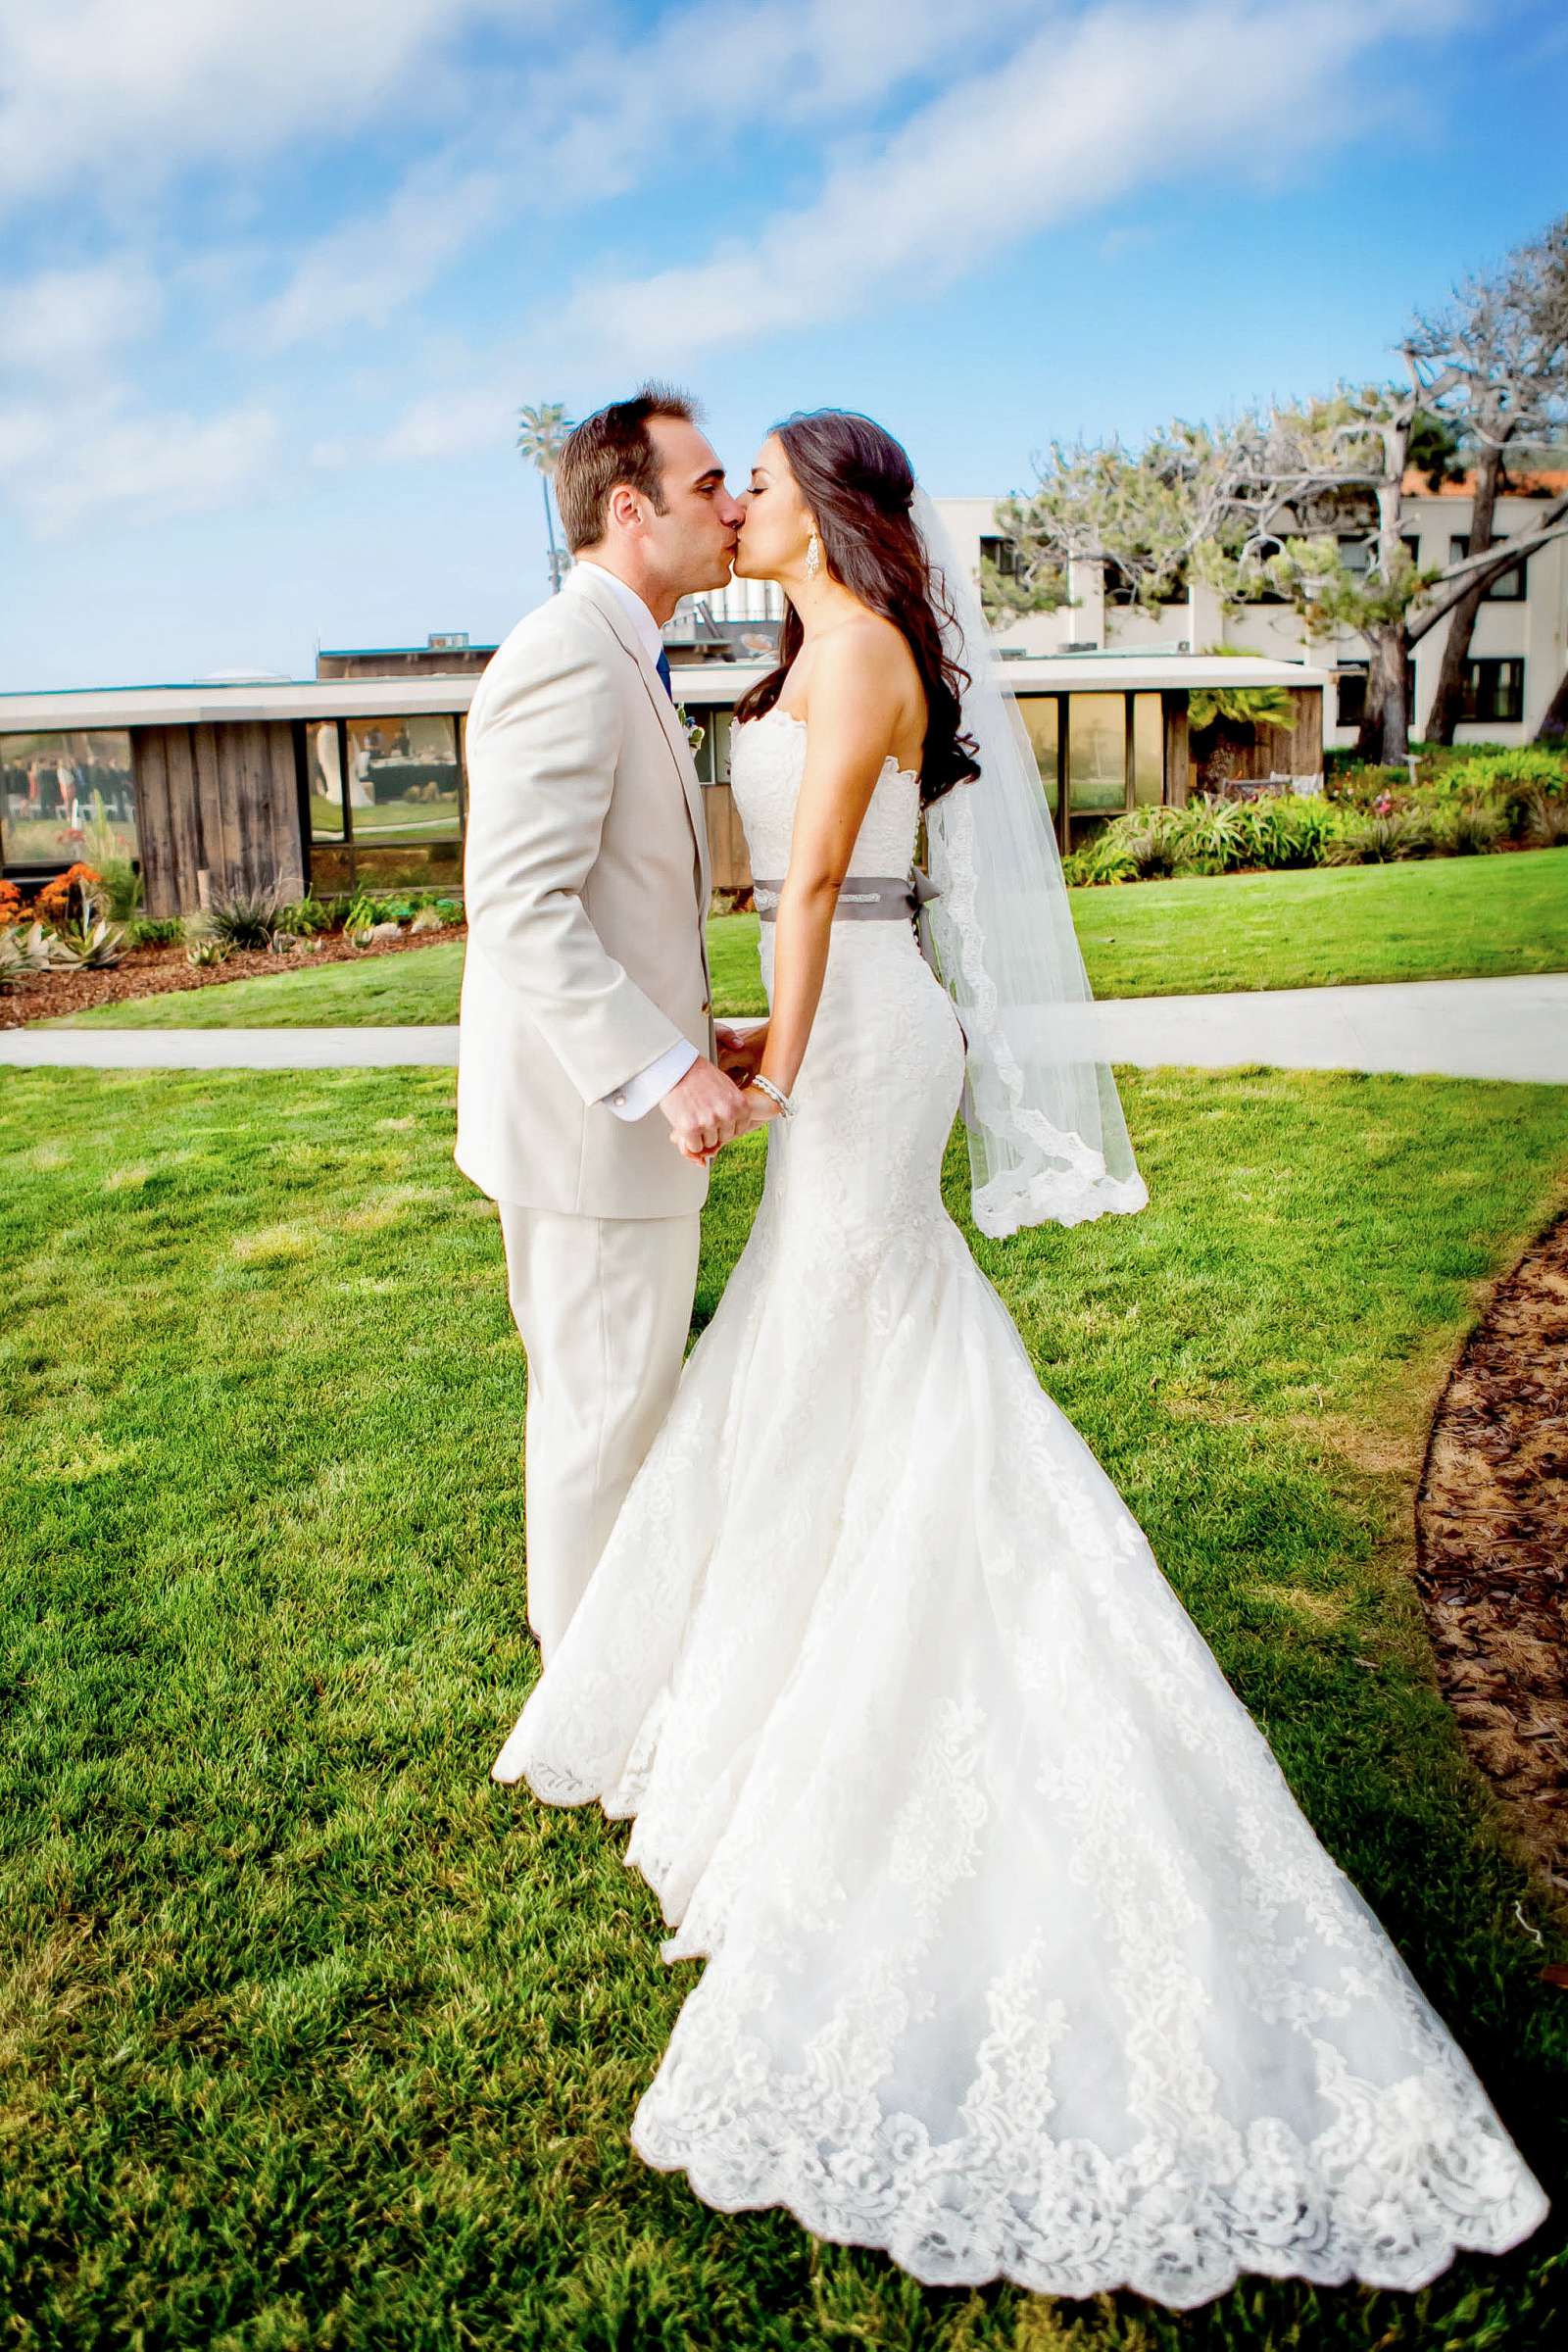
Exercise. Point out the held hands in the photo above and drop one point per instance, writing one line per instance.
(704, 1109)
(708, 1109)
(740, 1049)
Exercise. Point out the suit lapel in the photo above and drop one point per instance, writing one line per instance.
(603, 602)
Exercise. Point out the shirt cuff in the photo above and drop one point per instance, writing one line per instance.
(650, 1085)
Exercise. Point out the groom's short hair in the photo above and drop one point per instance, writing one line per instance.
(612, 446)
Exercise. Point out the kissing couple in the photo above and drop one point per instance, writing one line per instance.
(1021, 1959)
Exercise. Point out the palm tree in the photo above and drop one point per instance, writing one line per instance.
(541, 433)
(1242, 706)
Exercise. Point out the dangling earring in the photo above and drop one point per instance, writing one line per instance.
(813, 558)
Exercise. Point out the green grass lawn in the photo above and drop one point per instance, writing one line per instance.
(1437, 918)
(311, 2036)
(1443, 918)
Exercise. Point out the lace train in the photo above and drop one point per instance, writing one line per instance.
(1021, 1959)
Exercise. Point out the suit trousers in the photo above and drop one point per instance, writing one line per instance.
(604, 1305)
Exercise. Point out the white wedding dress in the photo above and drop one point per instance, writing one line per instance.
(1021, 1959)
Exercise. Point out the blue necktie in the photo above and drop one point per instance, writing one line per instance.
(663, 667)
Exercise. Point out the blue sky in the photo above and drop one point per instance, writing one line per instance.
(275, 278)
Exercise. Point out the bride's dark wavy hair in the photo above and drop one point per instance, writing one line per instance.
(860, 485)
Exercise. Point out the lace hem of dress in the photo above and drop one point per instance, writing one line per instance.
(1017, 1198)
(1066, 2219)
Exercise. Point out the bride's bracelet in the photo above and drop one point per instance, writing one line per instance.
(776, 1094)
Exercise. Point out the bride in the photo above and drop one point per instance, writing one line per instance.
(1021, 1960)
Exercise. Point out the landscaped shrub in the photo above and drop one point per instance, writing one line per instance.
(121, 892)
(69, 895)
(90, 947)
(1359, 784)
(1473, 806)
(1521, 764)
(155, 931)
(304, 917)
(1469, 827)
(1546, 818)
(246, 917)
(25, 953)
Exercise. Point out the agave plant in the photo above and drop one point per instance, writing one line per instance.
(207, 951)
(24, 954)
(246, 917)
(92, 948)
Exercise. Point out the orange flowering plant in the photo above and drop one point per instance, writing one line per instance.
(10, 904)
(53, 901)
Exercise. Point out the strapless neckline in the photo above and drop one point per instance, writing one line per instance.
(912, 774)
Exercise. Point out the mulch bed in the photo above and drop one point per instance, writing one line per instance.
(1491, 1548)
(158, 971)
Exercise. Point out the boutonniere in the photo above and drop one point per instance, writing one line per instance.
(695, 734)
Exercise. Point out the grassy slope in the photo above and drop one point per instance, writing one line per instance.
(1427, 920)
(1449, 917)
(312, 2036)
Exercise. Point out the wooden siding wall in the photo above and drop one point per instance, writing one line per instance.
(1178, 763)
(1275, 753)
(728, 864)
(220, 803)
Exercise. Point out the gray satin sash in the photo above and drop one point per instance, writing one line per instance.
(862, 898)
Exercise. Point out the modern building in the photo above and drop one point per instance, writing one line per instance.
(1519, 646)
(356, 778)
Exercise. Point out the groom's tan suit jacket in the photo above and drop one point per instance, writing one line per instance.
(585, 891)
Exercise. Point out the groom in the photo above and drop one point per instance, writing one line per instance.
(590, 1091)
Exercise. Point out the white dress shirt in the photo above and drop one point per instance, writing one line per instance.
(637, 1095)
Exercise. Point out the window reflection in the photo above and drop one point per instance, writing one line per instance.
(1096, 753)
(65, 797)
(1148, 750)
(403, 780)
(1042, 717)
(723, 725)
(325, 782)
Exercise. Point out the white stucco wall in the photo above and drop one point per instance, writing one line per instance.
(1535, 629)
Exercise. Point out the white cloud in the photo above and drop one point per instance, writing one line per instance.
(63, 321)
(1121, 97)
(369, 268)
(1127, 96)
(1035, 121)
(96, 456)
(120, 98)
(602, 119)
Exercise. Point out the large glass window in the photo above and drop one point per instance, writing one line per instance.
(403, 780)
(1149, 749)
(67, 797)
(1494, 690)
(1042, 717)
(1097, 754)
(385, 802)
(325, 781)
(717, 747)
(700, 715)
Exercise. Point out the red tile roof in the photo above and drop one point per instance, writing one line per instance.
(1546, 483)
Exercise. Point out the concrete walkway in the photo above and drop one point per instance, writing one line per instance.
(1514, 1028)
